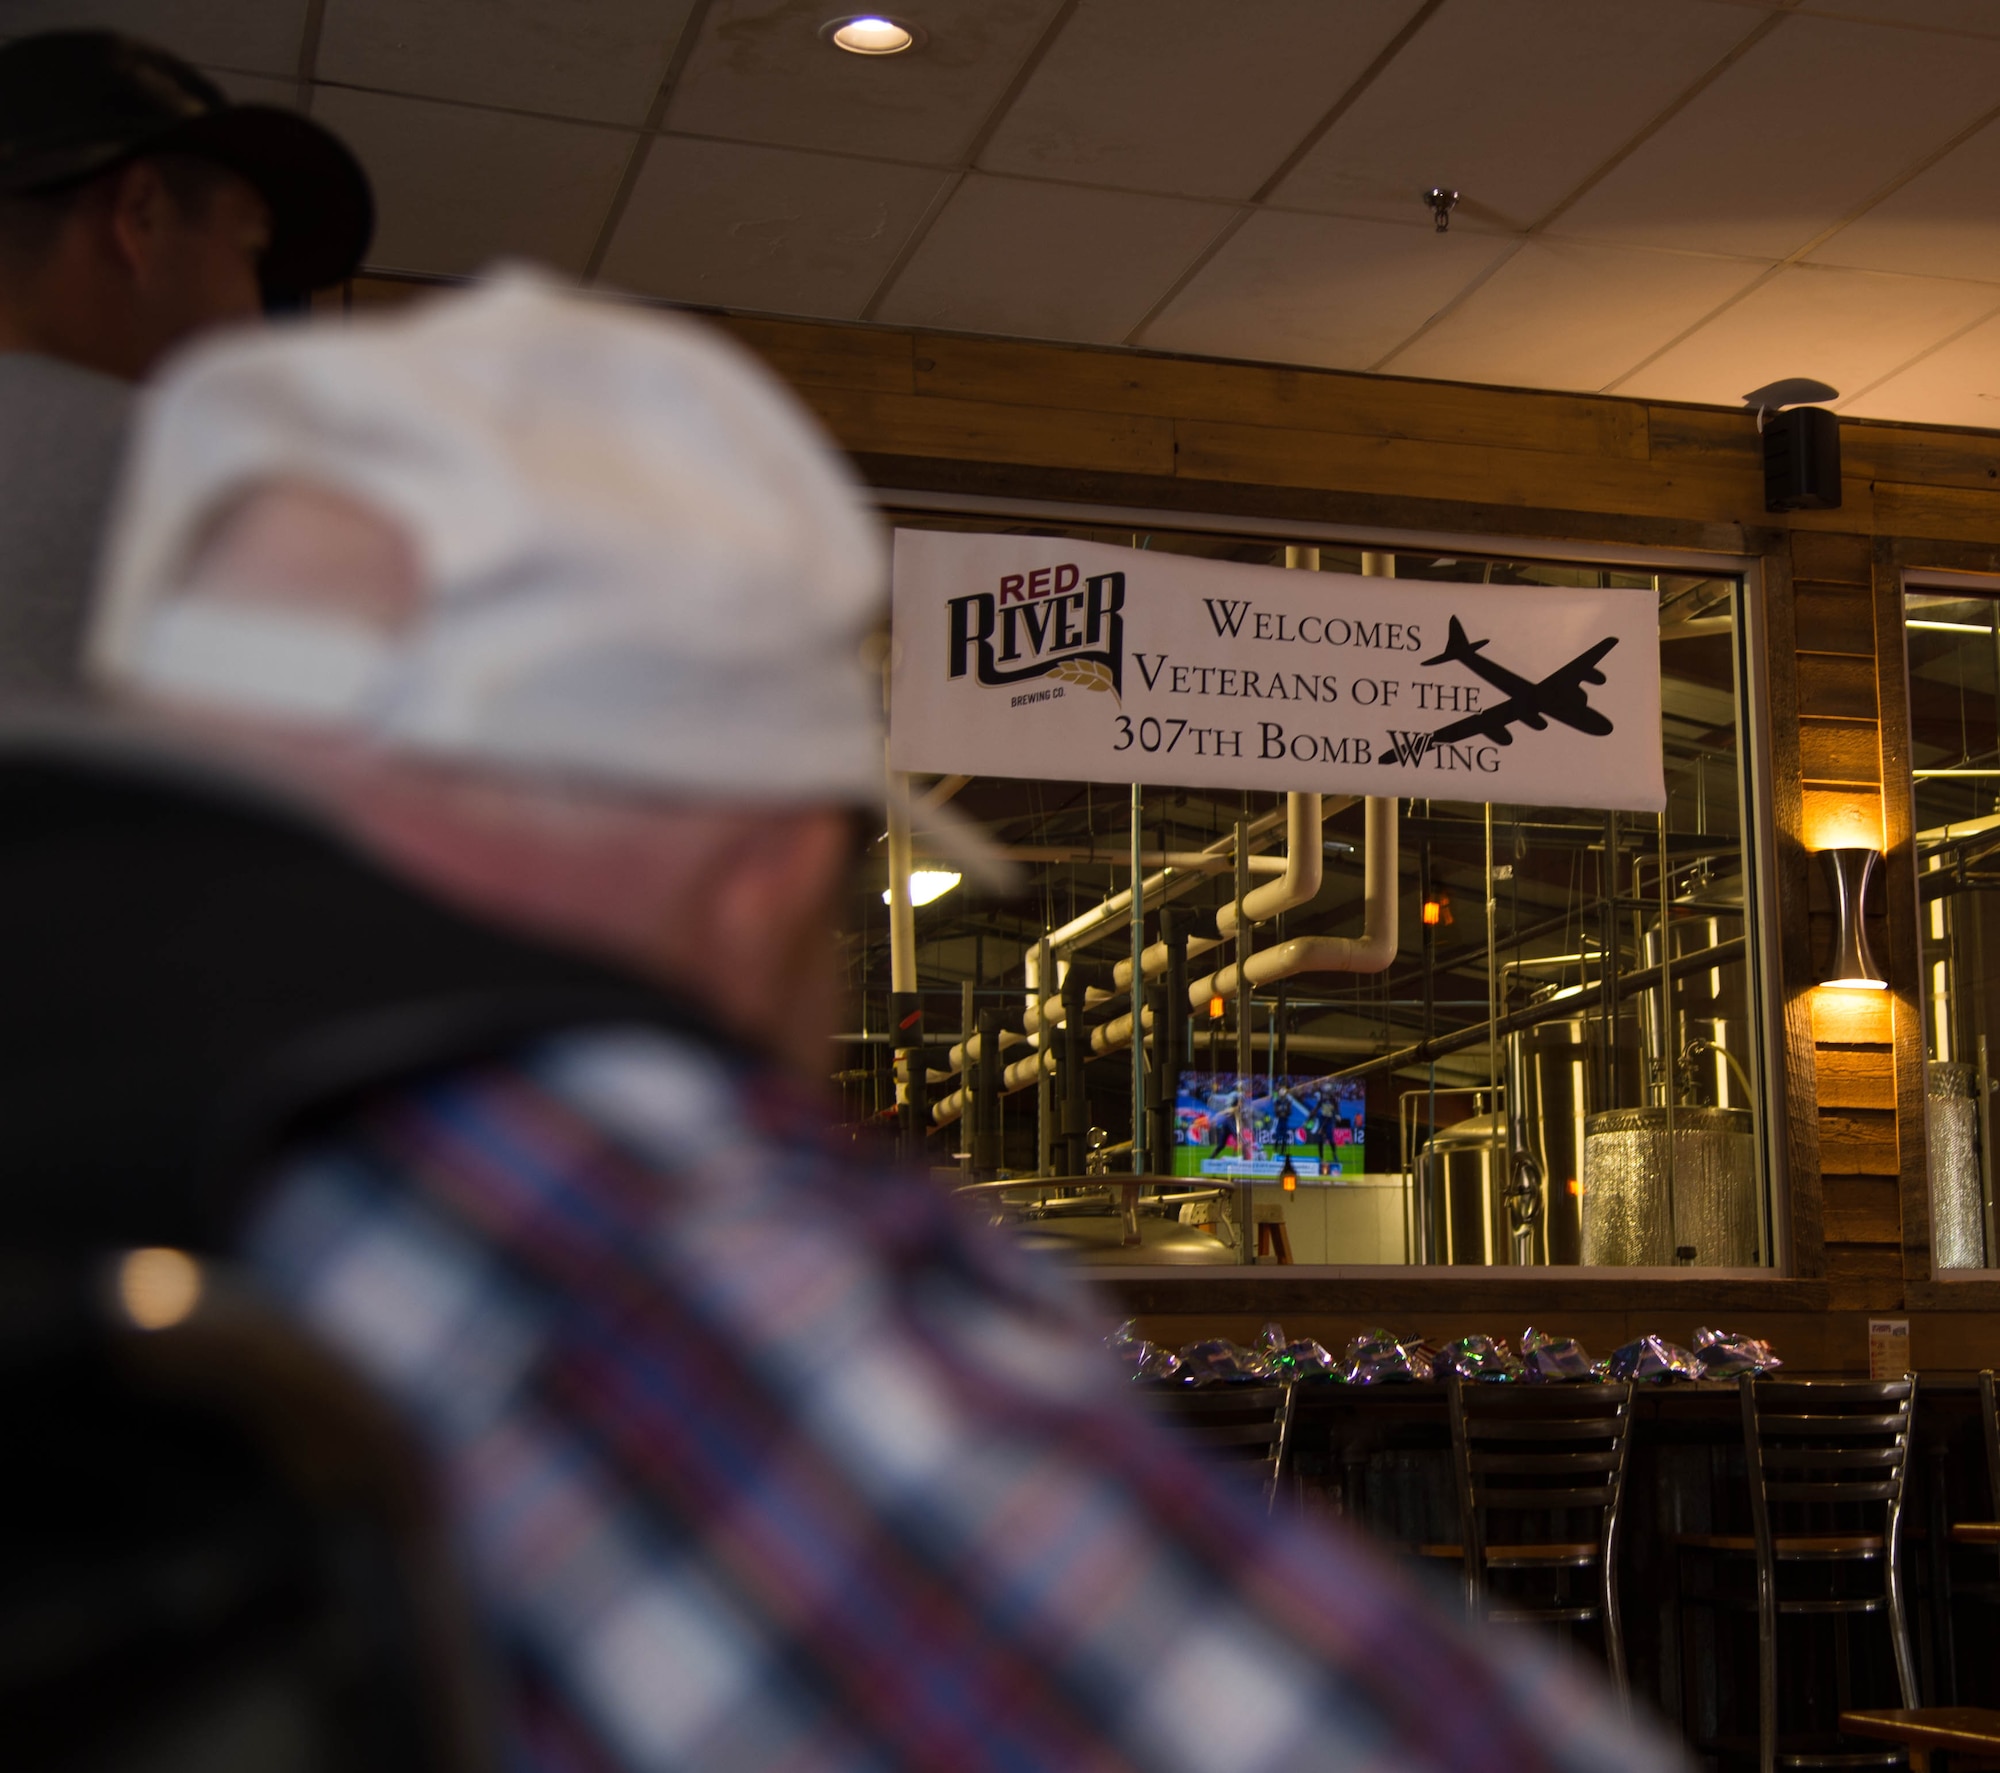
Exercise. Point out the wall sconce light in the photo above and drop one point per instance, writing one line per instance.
(1288, 1177)
(1847, 875)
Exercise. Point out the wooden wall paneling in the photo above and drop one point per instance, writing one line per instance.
(814, 356)
(1834, 559)
(1840, 753)
(1904, 959)
(1274, 397)
(1804, 1246)
(1964, 514)
(863, 419)
(1268, 455)
(1838, 686)
(1835, 618)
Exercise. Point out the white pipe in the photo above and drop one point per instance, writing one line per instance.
(1305, 859)
(1104, 919)
(1373, 951)
(902, 919)
(1201, 861)
(1156, 957)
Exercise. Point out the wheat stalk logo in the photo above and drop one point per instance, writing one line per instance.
(1084, 673)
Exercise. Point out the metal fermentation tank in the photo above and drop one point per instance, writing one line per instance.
(1702, 1160)
(1463, 1217)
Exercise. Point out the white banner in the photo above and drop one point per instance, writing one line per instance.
(1034, 656)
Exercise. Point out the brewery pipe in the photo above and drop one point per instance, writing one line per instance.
(1371, 952)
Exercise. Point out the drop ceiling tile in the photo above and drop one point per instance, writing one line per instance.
(1325, 290)
(1049, 261)
(1562, 314)
(1797, 134)
(1511, 102)
(595, 59)
(258, 36)
(256, 89)
(1957, 385)
(1168, 95)
(1846, 328)
(1939, 225)
(739, 226)
(761, 72)
(457, 188)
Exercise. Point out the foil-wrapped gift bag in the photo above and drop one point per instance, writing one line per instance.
(1141, 1360)
(1378, 1357)
(1222, 1362)
(1545, 1357)
(1728, 1356)
(1652, 1359)
(1479, 1358)
(1303, 1359)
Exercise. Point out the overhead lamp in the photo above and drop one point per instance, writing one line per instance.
(1437, 910)
(1288, 1177)
(869, 33)
(1216, 1007)
(1848, 872)
(927, 884)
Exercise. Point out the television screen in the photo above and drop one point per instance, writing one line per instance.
(1317, 1124)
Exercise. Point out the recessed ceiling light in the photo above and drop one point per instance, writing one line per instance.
(869, 33)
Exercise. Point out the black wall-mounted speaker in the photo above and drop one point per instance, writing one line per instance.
(1802, 460)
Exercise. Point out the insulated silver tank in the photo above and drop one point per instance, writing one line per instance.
(1627, 1155)
(1958, 1206)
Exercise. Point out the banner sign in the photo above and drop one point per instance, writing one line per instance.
(1034, 656)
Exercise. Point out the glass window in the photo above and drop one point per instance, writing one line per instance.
(1954, 655)
(1527, 1083)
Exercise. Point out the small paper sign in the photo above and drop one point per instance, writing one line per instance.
(1888, 1347)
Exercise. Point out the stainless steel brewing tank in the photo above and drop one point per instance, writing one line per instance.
(1552, 1074)
(1715, 1208)
(1958, 1195)
(1463, 1216)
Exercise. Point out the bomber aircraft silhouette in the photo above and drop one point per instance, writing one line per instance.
(1558, 696)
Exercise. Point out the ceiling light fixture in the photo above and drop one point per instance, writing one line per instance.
(1442, 200)
(927, 884)
(869, 33)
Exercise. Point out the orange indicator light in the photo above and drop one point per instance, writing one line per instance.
(1216, 1007)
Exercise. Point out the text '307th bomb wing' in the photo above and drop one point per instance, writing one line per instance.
(1559, 696)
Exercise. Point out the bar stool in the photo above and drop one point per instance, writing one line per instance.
(1541, 1477)
(1826, 1465)
(1243, 1424)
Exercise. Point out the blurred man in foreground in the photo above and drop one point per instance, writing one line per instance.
(138, 207)
(542, 626)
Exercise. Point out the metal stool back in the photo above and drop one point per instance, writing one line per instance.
(1541, 1477)
(1827, 1463)
(1244, 1424)
(1989, 1421)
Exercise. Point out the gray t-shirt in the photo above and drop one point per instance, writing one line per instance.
(62, 434)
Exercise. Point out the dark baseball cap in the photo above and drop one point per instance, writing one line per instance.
(77, 103)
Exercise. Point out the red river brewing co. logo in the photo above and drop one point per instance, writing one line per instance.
(1051, 622)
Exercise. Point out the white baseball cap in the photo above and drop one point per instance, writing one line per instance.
(642, 563)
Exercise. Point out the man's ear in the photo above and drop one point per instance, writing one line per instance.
(141, 211)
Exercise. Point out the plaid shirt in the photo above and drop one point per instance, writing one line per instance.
(763, 1458)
